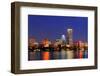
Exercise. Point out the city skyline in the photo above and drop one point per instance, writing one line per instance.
(53, 27)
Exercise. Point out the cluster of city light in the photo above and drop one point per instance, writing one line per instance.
(64, 45)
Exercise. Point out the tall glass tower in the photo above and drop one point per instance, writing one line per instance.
(70, 36)
(63, 38)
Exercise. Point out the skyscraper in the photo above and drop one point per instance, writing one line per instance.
(63, 38)
(70, 36)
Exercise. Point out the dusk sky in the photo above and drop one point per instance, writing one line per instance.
(52, 27)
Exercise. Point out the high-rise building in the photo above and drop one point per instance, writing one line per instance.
(63, 38)
(70, 36)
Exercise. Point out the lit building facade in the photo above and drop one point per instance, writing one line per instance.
(70, 36)
(63, 38)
